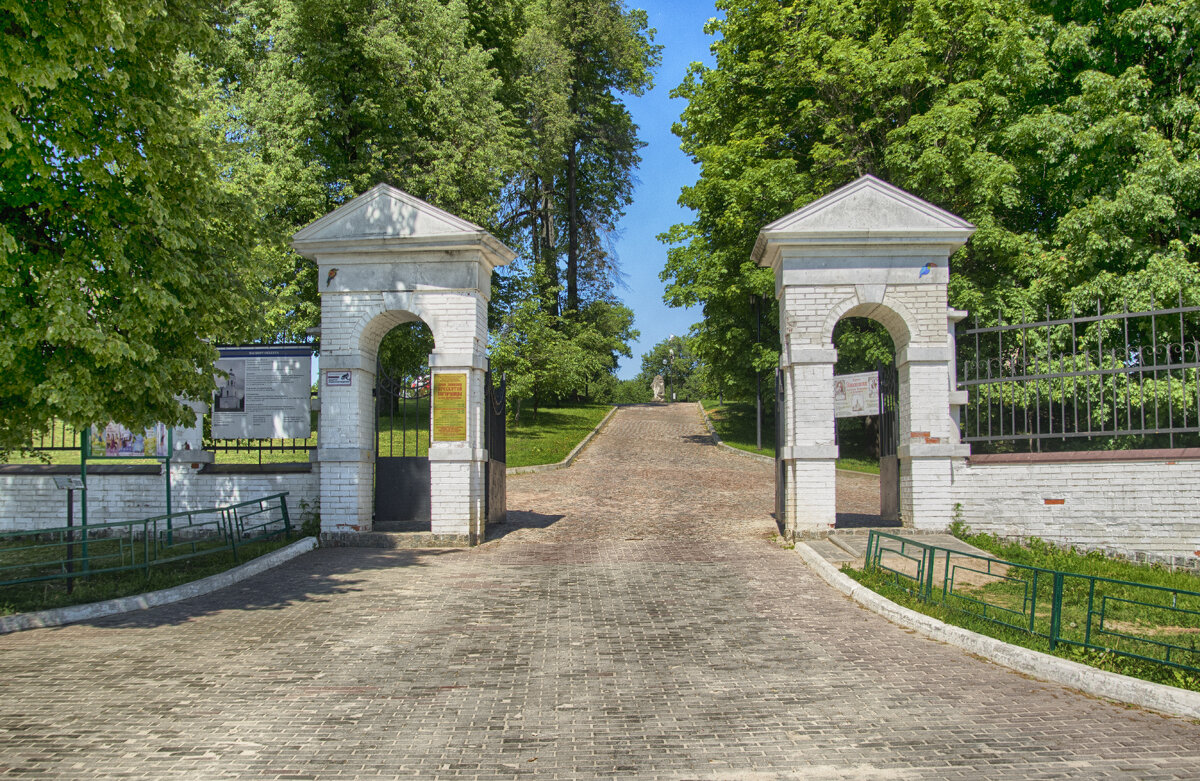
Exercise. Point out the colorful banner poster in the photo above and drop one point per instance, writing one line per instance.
(449, 407)
(856, 395)
(264, 394)
(116, 441)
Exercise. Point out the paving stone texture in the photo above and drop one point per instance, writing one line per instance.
(632, 620)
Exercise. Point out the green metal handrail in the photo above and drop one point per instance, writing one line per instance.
(1138, 620)
(37, 555)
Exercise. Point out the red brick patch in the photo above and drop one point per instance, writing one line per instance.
(1055, 501)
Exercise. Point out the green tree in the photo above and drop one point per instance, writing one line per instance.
(565, 77)
(602, 332)
(1065, 132)
(538, 361)
(332, 98)
(121, 242)
(682, 370)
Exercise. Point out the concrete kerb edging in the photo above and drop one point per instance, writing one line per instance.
(717, 438)
(1099, 683)
(68, 615)
(570, 459)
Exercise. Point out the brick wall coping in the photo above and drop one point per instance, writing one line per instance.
(47, 470)
(257, 469)
(1080, 456)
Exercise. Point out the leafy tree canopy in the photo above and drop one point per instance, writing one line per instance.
(682, 370)
(120, 240)
(329, 99)
(1066, 131)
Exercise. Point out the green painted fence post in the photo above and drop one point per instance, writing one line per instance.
(1056, 610)
(929, 573)
(287, 521)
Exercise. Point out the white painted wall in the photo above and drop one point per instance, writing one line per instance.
(1135, 506)
(32, 501)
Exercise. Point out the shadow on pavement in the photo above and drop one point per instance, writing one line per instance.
(312, 577)
(863, 521)
(521, 519)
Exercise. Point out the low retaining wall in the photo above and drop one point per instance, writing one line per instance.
(29, 498)
(1141, 504)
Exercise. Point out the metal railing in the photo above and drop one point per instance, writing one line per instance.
(61, 437)
(68, 552)
(1131, 378)
(1138, 620)
(58, 437)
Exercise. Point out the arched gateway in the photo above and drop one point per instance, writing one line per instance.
(383, 259)
(868, 250)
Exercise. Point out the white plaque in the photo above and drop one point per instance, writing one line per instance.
(856, 395)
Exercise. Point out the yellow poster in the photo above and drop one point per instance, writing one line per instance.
(449, 407)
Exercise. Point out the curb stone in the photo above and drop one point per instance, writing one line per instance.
(1099, 683)
(717, 439)
(43, 619)
(570, 459)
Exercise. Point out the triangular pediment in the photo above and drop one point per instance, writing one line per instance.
(867, 212)
(385, 212)
(868, 204)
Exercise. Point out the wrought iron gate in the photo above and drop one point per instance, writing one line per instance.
(889, 441)
(780, 442)
(401, 450)
(496, 441)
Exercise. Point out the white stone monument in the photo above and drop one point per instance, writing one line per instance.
(658, 387)
(383, 259)
(866, 250)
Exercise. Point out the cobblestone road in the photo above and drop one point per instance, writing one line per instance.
(631, 621)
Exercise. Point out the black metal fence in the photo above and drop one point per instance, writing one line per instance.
(63, 439)
(58, 438)
(1113, 380)
(262, 450)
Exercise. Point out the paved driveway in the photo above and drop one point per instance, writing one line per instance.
(632, 621)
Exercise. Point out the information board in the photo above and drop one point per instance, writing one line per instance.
(116, 441)
(856, 395)
(449, 407)
(266, 393)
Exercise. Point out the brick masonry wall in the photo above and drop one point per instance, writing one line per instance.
(1130, 507)
(31, 501)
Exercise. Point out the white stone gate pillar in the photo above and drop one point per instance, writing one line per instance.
(383, 259)
(866, 250)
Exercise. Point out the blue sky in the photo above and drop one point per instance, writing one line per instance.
(664, 170)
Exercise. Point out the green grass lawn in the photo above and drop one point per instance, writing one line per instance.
(736, 424)
(557, 431)
(1133, 619)
(29, 597)
(405, 433)
(555, 434)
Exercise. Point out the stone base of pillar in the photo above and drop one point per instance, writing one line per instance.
(811, 497)
(404, 540)
(457, 496)
(926, 493)
(346, 496)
